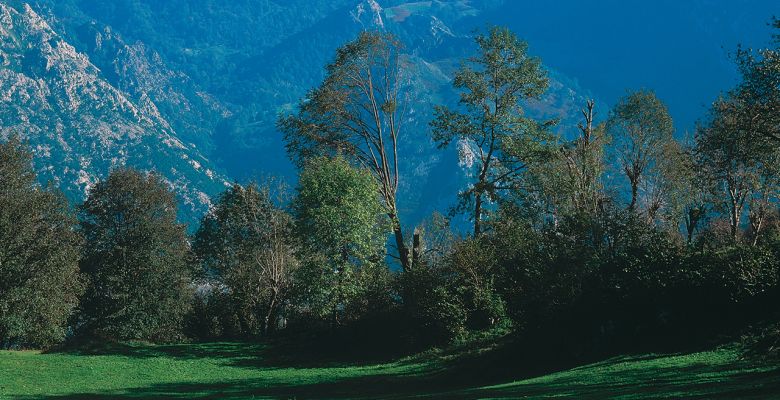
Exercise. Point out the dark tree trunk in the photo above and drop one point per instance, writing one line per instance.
(403, 250)
(477, 214)
(416, 247)
(634, 194)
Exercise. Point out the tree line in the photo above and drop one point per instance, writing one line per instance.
(618, 234)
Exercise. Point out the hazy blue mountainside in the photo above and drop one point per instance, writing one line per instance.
(193, 88)
(79, 124)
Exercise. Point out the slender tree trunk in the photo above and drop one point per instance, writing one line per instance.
(734, 222)
(756, 224)
(634, 194)
(267, 319)
(691, 223)
(417, 249)
(403, 251)
(477, 214)
(734, 213)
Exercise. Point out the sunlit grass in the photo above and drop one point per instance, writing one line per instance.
(240, 370)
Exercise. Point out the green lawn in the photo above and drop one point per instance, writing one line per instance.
(238, 371)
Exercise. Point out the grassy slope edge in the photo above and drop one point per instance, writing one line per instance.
(241, 370)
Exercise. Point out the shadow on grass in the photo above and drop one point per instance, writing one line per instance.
(458, 372)
(700, 382)
(381, 385)
(297, 352)
(696, 381)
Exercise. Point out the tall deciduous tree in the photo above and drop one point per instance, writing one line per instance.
(584, 160)
(641, 128)
(759, 90)
(695, 194)
(136, 257)
(570, 179)
(357, 112)
(339, 220)
(741, 170)
(496, 138)
(246, 241)
(665, 187)
(40, 282)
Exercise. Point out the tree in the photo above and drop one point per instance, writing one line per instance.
(40, 284)
(641, 128)
(137, 259)
(496, 140)
(737, 166)
(246, 241)
(584, 160)
(738, 147)
(568, 183)
(759, 90)
(357, 113)
(694, 193)
(665, 187)
(438, 240)
(338, 217)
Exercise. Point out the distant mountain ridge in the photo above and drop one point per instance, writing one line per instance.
(88, 99)
(193, 88)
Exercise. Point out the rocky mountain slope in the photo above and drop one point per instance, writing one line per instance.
(192, 88)
(192, 77)
(81, 126)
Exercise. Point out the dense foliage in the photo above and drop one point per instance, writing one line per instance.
(136, 258)
(246, 249)
(614, 236)
(40, 283)
(339, 220)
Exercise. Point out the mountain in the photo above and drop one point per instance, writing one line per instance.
(193, 88)
(190, 63)
(79, 125)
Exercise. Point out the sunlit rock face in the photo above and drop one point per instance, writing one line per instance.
(193, 88)
(79, 125)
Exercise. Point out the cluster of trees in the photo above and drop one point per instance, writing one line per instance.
(614, 233)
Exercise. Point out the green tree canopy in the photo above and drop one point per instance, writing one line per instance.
(497, 141)
(339, 221)
(641, 129)
(740, 170)
(246, 242)
(40, 282)
(137, 259)
(357, 112)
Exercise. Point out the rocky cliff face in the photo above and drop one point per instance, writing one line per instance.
(192, 88)
(80, 125)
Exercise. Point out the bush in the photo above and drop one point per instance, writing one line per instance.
(471, 268)
(213, 315)
(436, 313)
